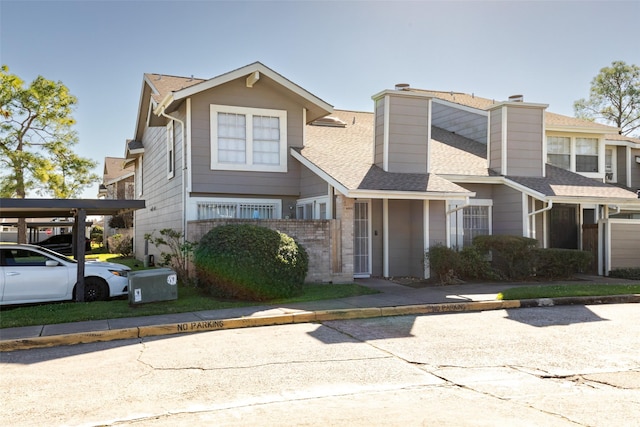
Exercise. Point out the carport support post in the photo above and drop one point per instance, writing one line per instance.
(80, 218)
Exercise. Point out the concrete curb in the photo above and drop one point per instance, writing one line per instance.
(301, 317)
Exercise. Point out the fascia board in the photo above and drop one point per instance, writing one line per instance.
(120, 178)
(579, 129)
(241, 72)
(628, 203)
(410, 195)
(517, 105)
(406, 93)
(145, 81)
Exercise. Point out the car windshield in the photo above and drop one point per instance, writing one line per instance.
(57, 255)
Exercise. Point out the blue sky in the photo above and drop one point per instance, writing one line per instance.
(341, 51)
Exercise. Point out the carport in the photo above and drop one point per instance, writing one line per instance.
(78, 208)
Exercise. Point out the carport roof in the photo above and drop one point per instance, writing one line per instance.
(37, 208)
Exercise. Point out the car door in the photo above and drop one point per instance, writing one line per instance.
(27, 278)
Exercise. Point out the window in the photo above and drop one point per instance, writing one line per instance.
(577, 154)
(170, 151)
(139, 174)
(586, 155)
(467, 222)
(312, 208)
(476, 223)
(559, 151)
(610, 164)
(248, 139)
(239, 209)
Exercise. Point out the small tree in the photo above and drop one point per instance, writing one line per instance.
(179, 254)
(36, 140)
(614, 98)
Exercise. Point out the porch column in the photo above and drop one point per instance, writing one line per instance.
(385, 237)
(425, 218)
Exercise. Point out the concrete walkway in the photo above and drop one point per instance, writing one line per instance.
(393, 299)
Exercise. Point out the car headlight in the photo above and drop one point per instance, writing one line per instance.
(121, 273)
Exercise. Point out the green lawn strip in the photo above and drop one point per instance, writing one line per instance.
(189, 299)
(555, 291)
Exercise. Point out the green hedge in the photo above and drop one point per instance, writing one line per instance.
(553, 263)
(626, 273)
(245, 261)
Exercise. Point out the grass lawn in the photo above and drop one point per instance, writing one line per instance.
(189, 299)
(553, 291)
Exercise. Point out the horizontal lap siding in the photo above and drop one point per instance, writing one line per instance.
(311, 185)
(507, 211)
(625, 245)
(379, 133)
(635, 169)
(495, 140)
(524, 141)
(460, 122)
(163, 196)
(408, 133)
(235, 93)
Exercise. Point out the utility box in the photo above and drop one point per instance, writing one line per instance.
(160, 284)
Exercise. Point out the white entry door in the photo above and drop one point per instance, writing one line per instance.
(361, 240)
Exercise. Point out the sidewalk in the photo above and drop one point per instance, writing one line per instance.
(393, 299)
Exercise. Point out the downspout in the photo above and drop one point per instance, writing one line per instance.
(549, 206)
(184, 170)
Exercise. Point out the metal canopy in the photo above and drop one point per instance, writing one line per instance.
(78, 208)
(38, 208)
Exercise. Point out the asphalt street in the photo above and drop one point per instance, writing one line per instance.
(553, 366)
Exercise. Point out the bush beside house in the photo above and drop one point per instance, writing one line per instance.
(245, 261)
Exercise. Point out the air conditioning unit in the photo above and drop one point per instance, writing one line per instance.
(158, 284)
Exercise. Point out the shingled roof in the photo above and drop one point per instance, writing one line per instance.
(345, 154)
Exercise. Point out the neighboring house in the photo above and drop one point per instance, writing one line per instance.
(117, 184)
(369, 193)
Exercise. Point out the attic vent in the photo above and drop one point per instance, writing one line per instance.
(516, 98)
(329, 121)
(403, 86)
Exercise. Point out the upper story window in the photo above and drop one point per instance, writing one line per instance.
(576, 154)
(248, 139)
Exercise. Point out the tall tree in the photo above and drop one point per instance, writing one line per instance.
(36, 141)
(614, 98)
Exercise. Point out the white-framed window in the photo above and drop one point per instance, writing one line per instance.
(248, 139)
(577, 154)
(221, 208)
(467, 222)
(586, 154)
(559, 151)
(312, 208)
(610, 164)
(171, 161)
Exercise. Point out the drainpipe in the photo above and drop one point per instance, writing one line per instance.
(549, 206)
(184, 169)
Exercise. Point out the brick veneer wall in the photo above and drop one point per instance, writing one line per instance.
(322, 239)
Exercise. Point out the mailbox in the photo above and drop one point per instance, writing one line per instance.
(160, 284)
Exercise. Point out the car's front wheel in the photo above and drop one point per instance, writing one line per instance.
(95, 289)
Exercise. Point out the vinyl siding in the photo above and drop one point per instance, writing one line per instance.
(263, 95)
(311, 185)
(376, 238)
(163, 196)
(495, 140)
(621, 165)
(437, 223)
(524, 141)
(507, 211)
(408, 134)
(379, 133)
(625, 244)
(460, 122)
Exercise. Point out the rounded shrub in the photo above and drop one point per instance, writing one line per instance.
(245, 261)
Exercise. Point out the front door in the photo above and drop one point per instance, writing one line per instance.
(563, 227)
(361, 240)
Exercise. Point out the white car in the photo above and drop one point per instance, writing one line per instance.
(30, 274)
